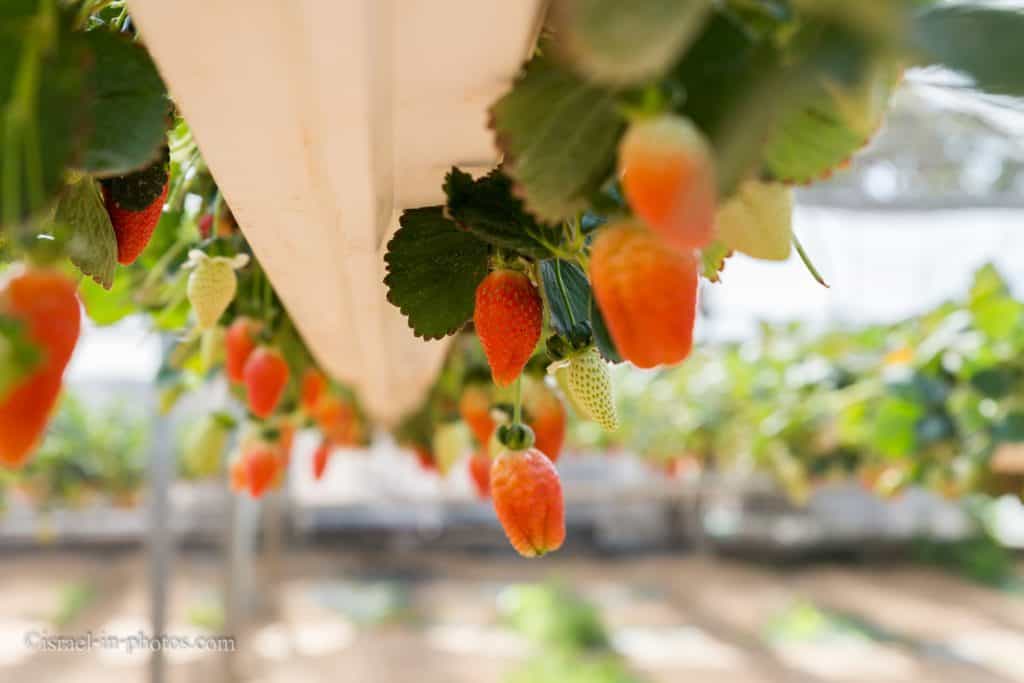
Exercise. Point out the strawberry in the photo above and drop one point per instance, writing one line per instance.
(320, 458)
(546, 417)
(239, 474)
(134, 203)
(212, 285)
(205, 226)
(205, 444)
(263, 465)
(266, 376)
(44, 301)
(425, 458)
(475, 409)
(668, 179)
(528, 500)
(647, 293)
(590, 383)
(480, 473)
(313, 387)
(336, 419)
(286, 439)
(507, 315)
(561, 374)
(450, 442)
(239, 343)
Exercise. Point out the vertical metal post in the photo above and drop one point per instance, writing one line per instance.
(160, 540)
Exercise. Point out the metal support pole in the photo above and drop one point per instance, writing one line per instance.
(160, 541)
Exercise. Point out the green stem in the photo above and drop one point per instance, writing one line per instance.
(517, 408)
(807, 262)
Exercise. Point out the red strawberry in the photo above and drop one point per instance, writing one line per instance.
(546, 417)
(313, 387)
(475, 409)
(263, 464)
(133, 228)
(336, 419)
(239, 475)
(320, 458)
(205, 225)
(424, 457)
(669, 180)
(647, 293)
(480, 473)
(239, 343)
(45, 302)
(266, 376)
(286, 439)
(508, 316)
(528, 500)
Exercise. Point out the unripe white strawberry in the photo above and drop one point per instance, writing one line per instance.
(212, 285)
(590, 384)
(450, 443)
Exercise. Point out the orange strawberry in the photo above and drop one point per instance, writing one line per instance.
(286, 439)
(475, 409)
(546, 417)
(133, 228)
(320, 458)
(508, 315)
(313, 387)
(480, 473)
(336, 419)
(528, 500)
(647, 293)
(239, 475)
(668, 179)
(263, 465)
(239, 344)
(45, 302)
(266, 376)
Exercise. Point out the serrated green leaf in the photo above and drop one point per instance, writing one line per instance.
(568, 305)
(712, 260)
(130, 112)
(487, 208)
(559, 134)
(757, 221)
(626, 42)
(433, 270)
(19, 356)
(602, 337)
(92, 243)
(982, 42)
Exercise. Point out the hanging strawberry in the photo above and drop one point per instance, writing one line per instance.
(590, 385)
(546, 416)
(480, 473)
(475, 410)
(266, 377)
(321, 457)
(314, 385)
(647, 293)
(668, 179)
(212, 285)
(45, 301)
(508, 314)
(239, 342)
(135, 203)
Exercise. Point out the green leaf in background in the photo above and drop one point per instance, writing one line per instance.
(567, 291)
(982, 42)
(996, 382)
(758, 221)
(108, 307)
(997, 317)
(130, 113)
(1010, 428)
(625, 42)
(559, 135)
(44, 103)
(602, 337)
(433, 271)
(18, 354)
(92, 244)
(487, 208)
(893, 429)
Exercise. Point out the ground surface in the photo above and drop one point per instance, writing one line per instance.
(399, 616)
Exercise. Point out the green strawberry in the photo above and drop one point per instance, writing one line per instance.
(590, 385)
(450, 442)
(206, 443)
(562, 378)
(212, 285)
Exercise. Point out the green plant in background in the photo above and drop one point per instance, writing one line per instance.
(574, 646)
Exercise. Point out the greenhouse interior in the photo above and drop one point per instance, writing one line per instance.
(468, 341)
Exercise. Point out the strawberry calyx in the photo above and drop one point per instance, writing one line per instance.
(516, 436)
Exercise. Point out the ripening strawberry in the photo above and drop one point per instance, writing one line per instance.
(212, 285)
(320, 457)
(238, 474)
(480, 473)
(134, 203)
(449, 443)
(508, 314)
(647, 293)
(263, 464)
(546, 417)
(266, 376)
(239, 344)
(425, 458)
(205, 445)
(286, 439)
(45, 302)
(336, 419)
(668, 178)
(590, 383)
(528, 500)
(475, 409)
(313, 387)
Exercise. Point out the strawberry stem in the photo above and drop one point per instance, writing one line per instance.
(517, 407)
(807, 262)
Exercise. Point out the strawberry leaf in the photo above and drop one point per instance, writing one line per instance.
(602, 337)
(757, 221)
(567, 291)
(558, 133)
(92, 244)
(712, 259)
(624, 42)
(130, 113)
(487, 208)
(433, 269)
